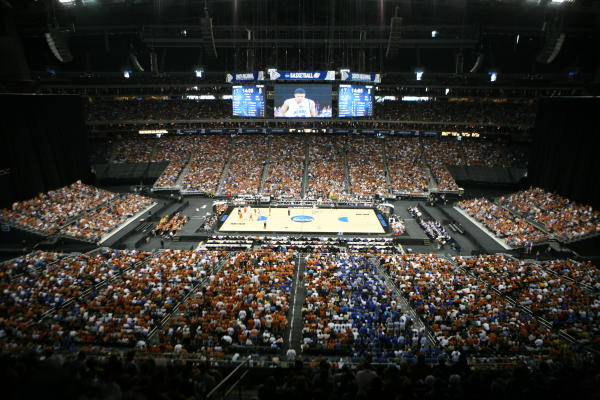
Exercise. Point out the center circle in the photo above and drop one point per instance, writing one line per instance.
(302, 218)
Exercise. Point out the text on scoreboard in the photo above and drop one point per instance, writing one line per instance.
(355, 101)
(248, 101)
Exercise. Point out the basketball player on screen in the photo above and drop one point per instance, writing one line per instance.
(299, 106)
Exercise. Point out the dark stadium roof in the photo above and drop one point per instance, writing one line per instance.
(312, 34)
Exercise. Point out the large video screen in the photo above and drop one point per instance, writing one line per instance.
(302, 101)
(248, 101)
(355, 101)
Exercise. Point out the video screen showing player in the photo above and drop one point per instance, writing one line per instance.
(303, 101)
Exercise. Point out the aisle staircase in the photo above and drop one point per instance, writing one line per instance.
(225, 171)
(386, 166)
(305, 170)
(265, 170)
(346, 168)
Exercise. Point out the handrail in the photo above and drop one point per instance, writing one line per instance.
(247, 360)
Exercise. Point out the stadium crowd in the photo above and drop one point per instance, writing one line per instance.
(107, 217)
(173, 109)
(54, 286)
(439, 152)
(467, 112)
(248, 156)
(48, 212)
(366, 166)
(132, 150)
(177, 151)
(464, 313)
(405, 163)
(244, 305)
(208, 161)
(326, 175)
(560, 216)
(286, 166)
(348, 308)
(559, 300)
(502, 223)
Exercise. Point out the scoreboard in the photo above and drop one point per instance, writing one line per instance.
(248, 101)
(355, 101)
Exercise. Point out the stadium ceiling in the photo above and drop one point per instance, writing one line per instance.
(307, 33)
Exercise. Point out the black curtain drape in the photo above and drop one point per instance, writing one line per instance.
(44, 142)
(565, 155)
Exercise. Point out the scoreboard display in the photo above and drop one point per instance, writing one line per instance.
(355, 101)
(248, 101)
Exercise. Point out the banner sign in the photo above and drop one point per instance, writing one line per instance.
(276, 75)
(245, 76)
(346, 75)
(253, 130)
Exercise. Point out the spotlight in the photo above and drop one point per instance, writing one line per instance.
(493, 76)
(418, 74)
(199, 72)
(434, 33)
(126, 74)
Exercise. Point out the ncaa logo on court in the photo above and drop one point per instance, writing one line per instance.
(302, 218)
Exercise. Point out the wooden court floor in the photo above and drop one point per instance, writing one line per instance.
(309, 220)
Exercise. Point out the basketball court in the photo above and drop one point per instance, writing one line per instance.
(309, 220)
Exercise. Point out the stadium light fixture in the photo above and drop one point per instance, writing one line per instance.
(419, 75)
(199, 72)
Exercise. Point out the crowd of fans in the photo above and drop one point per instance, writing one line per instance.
(107, 217)
(206, 166)
(326, 175)
(439, 153)
(366, 166)
(475, 113)
(132, 149)
(585, 273)
(244, 305)
(348, 308)
(157, 110)
(559, 300)
(28, 263)
(177, 151)
(560, 216)
(286, 166)
(128, 376)
(464, 313)
(48, 212)
(432, 228)
(522, 114)
(405, 163)
(247, 159)
(515, 230)
(169, 225)
(52, 286)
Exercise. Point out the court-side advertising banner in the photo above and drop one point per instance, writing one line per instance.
(276, 75)
(245, 76)
(359, 77)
